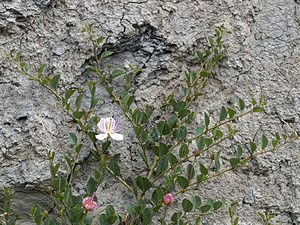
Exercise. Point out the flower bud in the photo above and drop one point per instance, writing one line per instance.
(169, 199)
(88, 204)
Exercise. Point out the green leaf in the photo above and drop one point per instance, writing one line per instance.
(203, 169)
(252, 146)
(111, 219)
(234, 162)
(241, 104)
(163, 149)
(93, 90)
(79, 100)
(100, 39)
(187, 205)
(262, 216)
(190, 171)
(217, 161)
(183, 182)
(183, 113)
(109, 89)
(78, 114)
(217, 205)
(198, 220)
(143, 155)
(103, 220)
(223, 200)
(236, 221)
(200, 143)
(277, 136)
(143, 183)
(73, 137)
(40, 70)
(69, 93)
(163, 128)
(208, 141)
(275, 143)
(196, 202)
(231, 112)
(205, 208)
(183, 151)
(146, 216)
(92, 136)
(90, 68)
(18, 55)
(172, 159)
(284, 136)
(115, 168)
(55, 169)
(77, 168)
(110, 211)
(264, 142)
(60, 183)
(210, 40)
(199, 55)
(259, 109)
(78, 148)
(162, 164)
(205, 73)
(206, 118)
(200, 129)
(223, 114)
(105, 54)
(132, 212)
(182, 132)
(91, 186)
(26, 67)
(117, 73)
(239, 151)
(35, 210)
(45, 81)
(157, 195)
(178, 106)
(217, 133)
(172, 120)
(175, 217)
(94, 102)
(13, 220)
(253, 101)
(54, 81)
(68, 161)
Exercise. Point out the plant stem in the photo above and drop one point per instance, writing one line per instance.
(120, 179)
(187, 157)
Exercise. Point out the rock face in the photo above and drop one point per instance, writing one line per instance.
(161, 37)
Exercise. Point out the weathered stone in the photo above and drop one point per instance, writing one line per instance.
(161, 37)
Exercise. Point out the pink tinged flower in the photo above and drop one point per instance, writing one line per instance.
(169, 199)
(109, 128)
(88, 204)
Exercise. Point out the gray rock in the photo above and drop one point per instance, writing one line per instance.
(160, 36)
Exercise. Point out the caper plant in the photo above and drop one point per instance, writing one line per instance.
(174, 164)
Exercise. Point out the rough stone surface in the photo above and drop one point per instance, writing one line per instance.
(161, 37)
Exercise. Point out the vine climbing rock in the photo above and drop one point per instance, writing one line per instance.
(161, 37)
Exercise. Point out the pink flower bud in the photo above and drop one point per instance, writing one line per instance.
(88, 204)
(169, 199)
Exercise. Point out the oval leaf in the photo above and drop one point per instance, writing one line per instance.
(55, 80)
(187, 205)
(264, 142)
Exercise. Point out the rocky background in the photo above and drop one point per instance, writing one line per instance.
(160, 36)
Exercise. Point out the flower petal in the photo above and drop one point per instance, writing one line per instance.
(101, 136)
(116, 136)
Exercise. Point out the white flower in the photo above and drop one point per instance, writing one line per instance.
(109, 127)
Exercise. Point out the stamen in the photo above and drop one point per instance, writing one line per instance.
(108, 125)
(92, 197)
